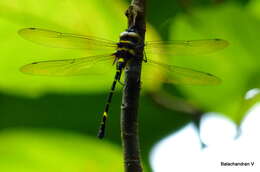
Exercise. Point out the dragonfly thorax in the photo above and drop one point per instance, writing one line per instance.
(127, 45)
(130, 35)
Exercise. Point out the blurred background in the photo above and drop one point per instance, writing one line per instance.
(50, 123)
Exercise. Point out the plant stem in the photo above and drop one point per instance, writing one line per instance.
(130, 101)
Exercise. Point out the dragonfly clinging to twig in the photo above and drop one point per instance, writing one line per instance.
(121, 53)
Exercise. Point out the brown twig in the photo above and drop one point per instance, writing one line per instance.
(130, 101)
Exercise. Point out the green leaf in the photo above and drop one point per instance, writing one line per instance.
(82, 113)
(237, 65)
(52, 151)
(254, 7)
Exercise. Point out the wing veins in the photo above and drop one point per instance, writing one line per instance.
(182, 75)
(185, 47)
(65, 40)
(67, 67)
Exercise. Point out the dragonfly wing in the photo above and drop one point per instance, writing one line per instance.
(64, 40)
(68, 67)
(181, 75)
(185, 48)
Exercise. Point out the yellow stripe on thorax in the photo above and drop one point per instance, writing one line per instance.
(127, 49)
(125, 41)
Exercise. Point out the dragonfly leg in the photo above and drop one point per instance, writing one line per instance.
(145, 57)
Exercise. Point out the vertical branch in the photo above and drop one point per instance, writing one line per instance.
(130, 101)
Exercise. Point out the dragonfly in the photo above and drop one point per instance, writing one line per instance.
(121, 53)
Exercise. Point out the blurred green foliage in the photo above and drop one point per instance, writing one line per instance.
(74, 104)
(52, 151)
(68, 16)
(237, 66)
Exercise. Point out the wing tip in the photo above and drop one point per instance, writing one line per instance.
(214, 80)
(27, 69)
(223, 42)
(23, 31)
(217, 81)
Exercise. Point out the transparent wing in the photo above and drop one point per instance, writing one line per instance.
(65, 40)
(69, 67)
(192, 47)
(181, 75)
